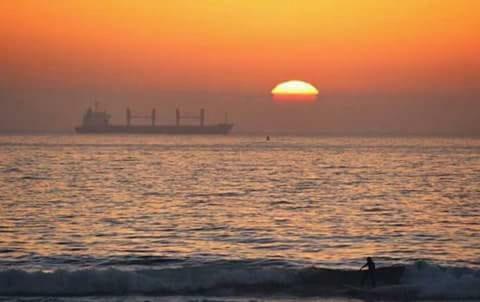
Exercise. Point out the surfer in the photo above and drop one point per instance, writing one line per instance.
(370, 273)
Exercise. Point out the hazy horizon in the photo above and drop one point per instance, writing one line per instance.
(380, 67)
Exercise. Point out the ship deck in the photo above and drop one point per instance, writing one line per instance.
(160, 129)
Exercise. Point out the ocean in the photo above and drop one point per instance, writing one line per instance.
(237, 218)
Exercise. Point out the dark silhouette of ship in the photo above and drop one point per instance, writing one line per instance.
(98, 122)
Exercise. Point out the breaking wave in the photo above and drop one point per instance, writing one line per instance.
(437, 282)
(419, 280)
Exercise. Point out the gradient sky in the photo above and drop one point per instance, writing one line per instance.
(381, 66)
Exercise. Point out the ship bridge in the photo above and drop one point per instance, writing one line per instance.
(94, 118)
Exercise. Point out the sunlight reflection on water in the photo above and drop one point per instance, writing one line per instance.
(305, 200)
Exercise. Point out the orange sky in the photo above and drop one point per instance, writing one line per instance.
(343, 47)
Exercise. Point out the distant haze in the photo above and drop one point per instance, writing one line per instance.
(380, 66)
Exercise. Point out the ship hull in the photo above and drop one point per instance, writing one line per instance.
(167, 129)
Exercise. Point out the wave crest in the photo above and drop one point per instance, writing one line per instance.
(423, 280)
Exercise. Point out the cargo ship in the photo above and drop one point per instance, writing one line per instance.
(98, 122)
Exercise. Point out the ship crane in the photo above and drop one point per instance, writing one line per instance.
(152, 117)
(200, 117)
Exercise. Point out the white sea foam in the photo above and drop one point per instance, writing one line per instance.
(434, 281)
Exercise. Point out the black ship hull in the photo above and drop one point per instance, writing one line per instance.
(166, 129)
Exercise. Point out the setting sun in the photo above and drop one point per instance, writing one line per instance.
(294, 91)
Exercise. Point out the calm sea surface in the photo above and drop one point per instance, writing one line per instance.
(131, 202)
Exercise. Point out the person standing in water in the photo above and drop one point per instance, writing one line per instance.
(370, 273)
